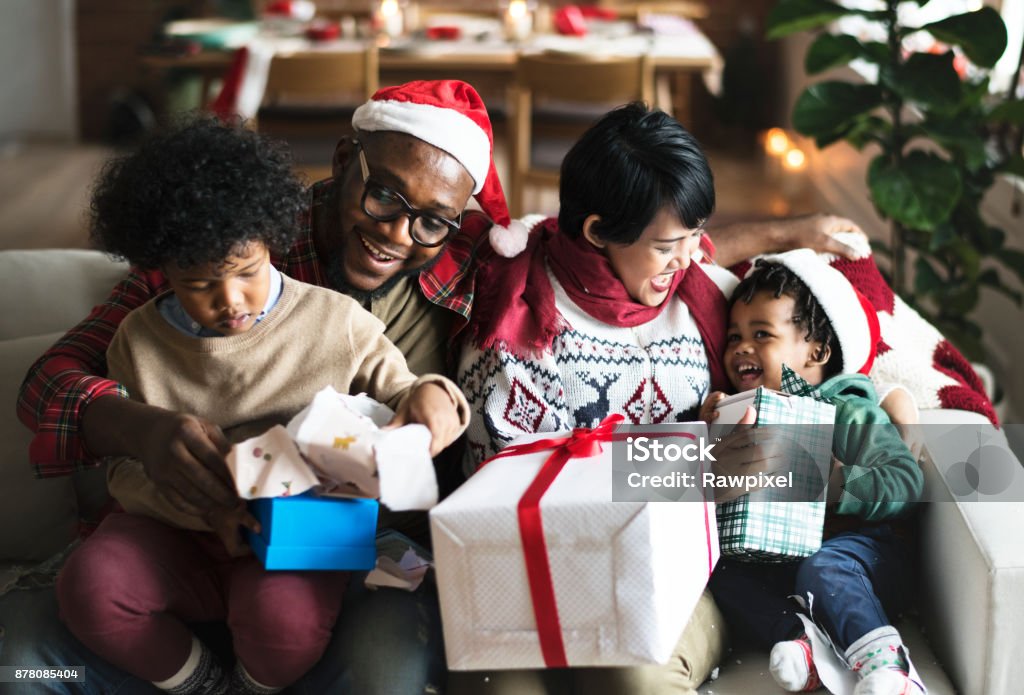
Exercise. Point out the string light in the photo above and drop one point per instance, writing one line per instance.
(794, 159)
(776, 142)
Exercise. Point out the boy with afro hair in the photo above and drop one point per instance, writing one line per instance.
(240, 347)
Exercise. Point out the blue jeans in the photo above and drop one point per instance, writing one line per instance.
(858, 578)
(386, 641)
(33, 635)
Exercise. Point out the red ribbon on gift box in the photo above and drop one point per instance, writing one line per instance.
(582, 442)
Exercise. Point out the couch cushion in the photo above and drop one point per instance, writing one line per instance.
(37, 517)
(29, 278)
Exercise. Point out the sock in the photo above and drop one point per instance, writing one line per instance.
(244, 684)
(201, 674)
(880, 662)
(886, 681)
(792, 666)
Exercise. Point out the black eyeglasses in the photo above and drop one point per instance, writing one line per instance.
(385, 205)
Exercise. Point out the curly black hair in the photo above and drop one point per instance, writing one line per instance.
(808, 315)
(195, 195)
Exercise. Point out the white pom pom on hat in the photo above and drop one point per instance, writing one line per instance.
(511, 240)
(851, 314)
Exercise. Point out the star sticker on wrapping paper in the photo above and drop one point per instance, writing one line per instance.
(344, 442)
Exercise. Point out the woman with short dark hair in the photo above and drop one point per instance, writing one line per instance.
(604, 312)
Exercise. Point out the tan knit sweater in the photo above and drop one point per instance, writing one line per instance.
(312, 338)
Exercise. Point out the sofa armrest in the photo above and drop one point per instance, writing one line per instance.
(43, 293)
(50, 290)
(973, 560)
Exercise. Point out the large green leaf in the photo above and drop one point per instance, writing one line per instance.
(959, 299)
(990, 278)
(827, 107)
(875, 52)
(927, 79)
(944, 235)
(919, 193)
(1009, 112)
(1013, 260)
(967, 258)
(981, 34)
(867, 129)
(829, 51)
(958, 137)
(791, 16)
(990, 239)
(926, 280)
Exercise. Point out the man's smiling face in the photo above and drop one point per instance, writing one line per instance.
(366, 255)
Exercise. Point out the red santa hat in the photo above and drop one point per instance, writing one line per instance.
(851, 314)
(450, 115)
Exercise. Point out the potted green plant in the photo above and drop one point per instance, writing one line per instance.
(938, 137)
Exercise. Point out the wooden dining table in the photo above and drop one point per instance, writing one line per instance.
(489, 64)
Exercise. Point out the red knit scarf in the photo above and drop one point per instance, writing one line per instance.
(515, 304)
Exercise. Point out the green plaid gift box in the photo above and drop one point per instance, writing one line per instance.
(768, 525)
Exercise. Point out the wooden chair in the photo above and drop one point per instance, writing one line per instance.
(583, 87)
(317, 85)
(691, 9)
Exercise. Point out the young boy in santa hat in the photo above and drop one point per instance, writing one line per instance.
(796, 324)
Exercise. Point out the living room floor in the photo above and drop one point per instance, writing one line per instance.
(44, 189)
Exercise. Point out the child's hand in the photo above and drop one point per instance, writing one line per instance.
(429, 404)
(707, 411)
(747, 451)
(899, 405)
(226, 523)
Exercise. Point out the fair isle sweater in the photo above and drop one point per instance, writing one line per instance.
(313, 337)
(652, 373)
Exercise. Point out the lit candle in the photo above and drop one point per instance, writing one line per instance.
(794, 162)
(518, 20)
(390, 17)
(776, 143)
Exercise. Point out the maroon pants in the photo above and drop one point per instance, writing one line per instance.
(129, 590)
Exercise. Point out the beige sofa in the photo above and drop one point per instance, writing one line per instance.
(972, 610)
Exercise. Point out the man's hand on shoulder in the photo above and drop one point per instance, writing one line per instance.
(735, 243)
(817, 232)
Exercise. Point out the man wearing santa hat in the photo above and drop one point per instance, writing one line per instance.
(390, 227)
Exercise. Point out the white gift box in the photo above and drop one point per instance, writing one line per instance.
(626, 576)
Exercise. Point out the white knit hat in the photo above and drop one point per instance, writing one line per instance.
(851, 314)
(451, 116)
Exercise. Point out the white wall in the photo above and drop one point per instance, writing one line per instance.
(37, 82)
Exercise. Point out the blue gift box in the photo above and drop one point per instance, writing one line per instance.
(309, 532)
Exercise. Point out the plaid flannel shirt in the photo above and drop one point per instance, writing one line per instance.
(66, 379)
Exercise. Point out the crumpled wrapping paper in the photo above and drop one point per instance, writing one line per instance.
(336, 444)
